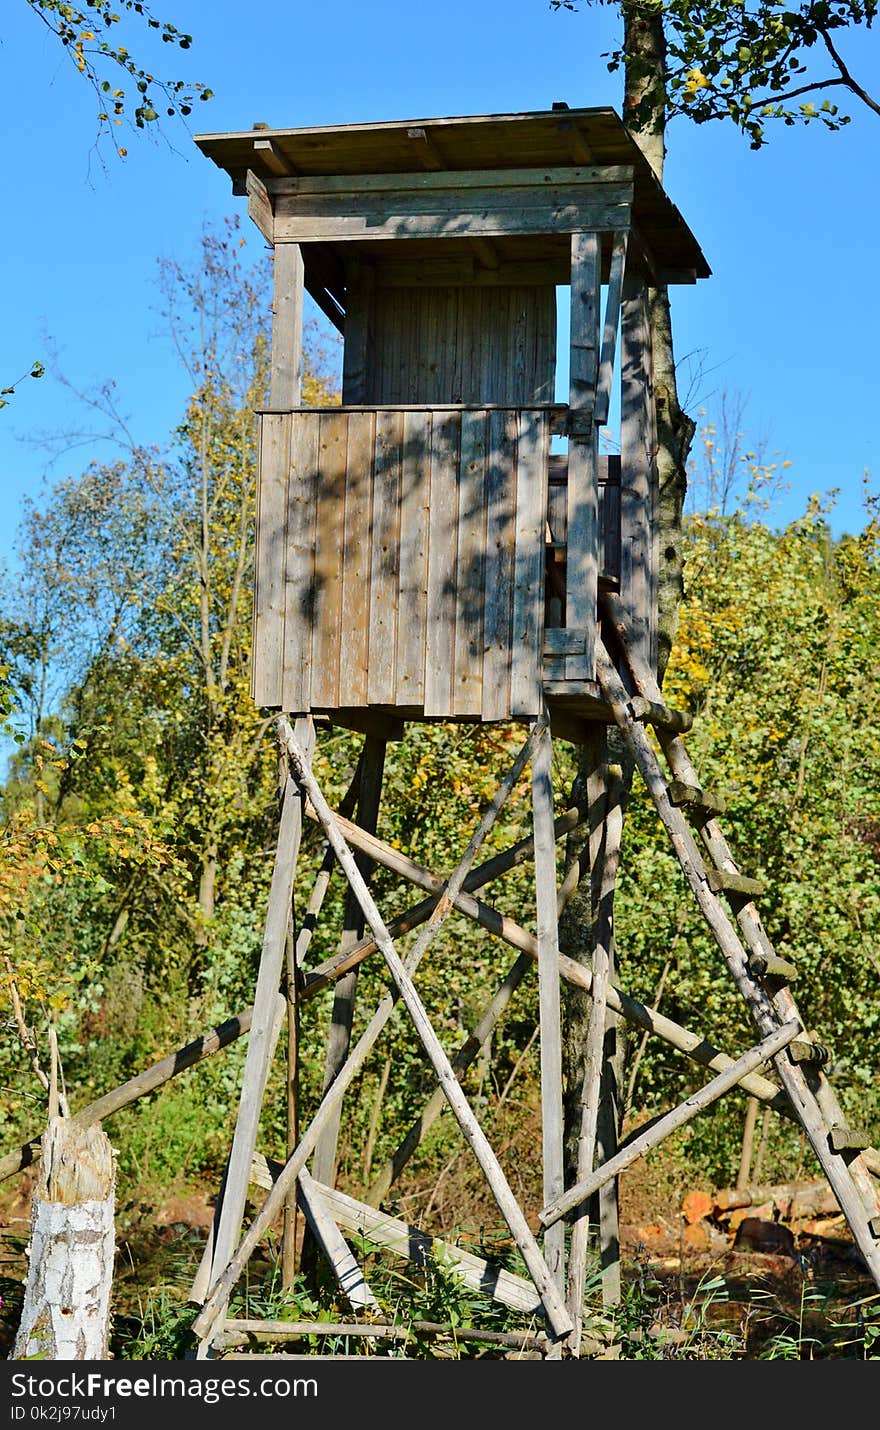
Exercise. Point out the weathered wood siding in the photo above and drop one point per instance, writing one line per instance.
(400, 560)
(474, 345)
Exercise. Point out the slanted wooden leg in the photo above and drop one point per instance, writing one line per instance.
(265, 1023)
(548, 994)
(339, 1041)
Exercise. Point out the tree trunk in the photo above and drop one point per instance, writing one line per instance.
(66, 1311)
(644, 113)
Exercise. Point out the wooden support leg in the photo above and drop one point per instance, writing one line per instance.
(605, 786)
(548, 992)
(298, 940)
(373, 765)
(264, 1025)
(288, 1234)
(206, 1323)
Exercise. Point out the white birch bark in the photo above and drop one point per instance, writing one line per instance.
(66, 1311)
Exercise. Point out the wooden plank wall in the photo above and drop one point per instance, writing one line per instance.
(459, 343)
(409, 547)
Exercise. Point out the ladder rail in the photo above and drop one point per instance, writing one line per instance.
(864, 1167)
(853, 1188)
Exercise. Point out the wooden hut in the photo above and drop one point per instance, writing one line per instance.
(434, 547)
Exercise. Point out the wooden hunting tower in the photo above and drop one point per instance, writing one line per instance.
(449, 544)
(433, 548)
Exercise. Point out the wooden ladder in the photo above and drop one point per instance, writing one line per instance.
(761, 977)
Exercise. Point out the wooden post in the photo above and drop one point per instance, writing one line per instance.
(264, 1024)
(287, 316)
(748, 1144)
(583, 453)
(638, 499)
(595, 1110)
(548, 994)
(288, 1232)
(339, 1041)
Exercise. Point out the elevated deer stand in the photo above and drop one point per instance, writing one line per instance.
(450, 545)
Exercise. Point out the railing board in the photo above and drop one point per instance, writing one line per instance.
(385, 560)
(415, 498)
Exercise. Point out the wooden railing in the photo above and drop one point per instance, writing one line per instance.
(401, 559)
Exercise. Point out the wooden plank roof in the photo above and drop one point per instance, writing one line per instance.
(554, 138)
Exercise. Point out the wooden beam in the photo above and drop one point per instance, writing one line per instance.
(582, 536)
(651, 712)
(342, 1014)
(414, 1244)
(425, 148)
(348, 1274)
(261, 1040)
(260, 206)
(549, 1004)
(338, 219)
(609, 331)
(458, 181)
(267, 153)
(285, 383)
(679, 1117)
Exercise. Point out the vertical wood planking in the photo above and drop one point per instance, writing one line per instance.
(469, 587)
(415, 498)
(271, 536)
(500, 505)
(329, 530)
(532, 455)
(583, 453)
(360, 281)
(442, 551)
(299, 568)
(385, 560)
(354, 644)
(520, 368)
(285, 381)
(609, 515)
(636, 463)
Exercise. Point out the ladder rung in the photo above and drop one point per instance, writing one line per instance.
(801, 1050)
(692, 797)
(874, 1226)
(652, 713)
(848, 1139)
(720, 881)
(769, 965)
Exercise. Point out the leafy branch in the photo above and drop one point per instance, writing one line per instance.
(37, 369)
(86, 32)
(749, 62)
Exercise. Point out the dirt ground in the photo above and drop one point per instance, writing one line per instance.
(798, 1284)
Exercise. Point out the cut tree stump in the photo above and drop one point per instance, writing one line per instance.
(66, 1311)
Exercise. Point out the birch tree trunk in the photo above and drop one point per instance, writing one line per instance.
(66, 1311)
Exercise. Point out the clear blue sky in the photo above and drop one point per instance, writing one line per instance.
(788, 320)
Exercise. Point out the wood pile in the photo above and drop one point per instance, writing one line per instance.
(803, 1208)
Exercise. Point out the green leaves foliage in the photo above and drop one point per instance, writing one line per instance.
(751, 63)
(88, 34)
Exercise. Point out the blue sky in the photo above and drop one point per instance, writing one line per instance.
(786, 325)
